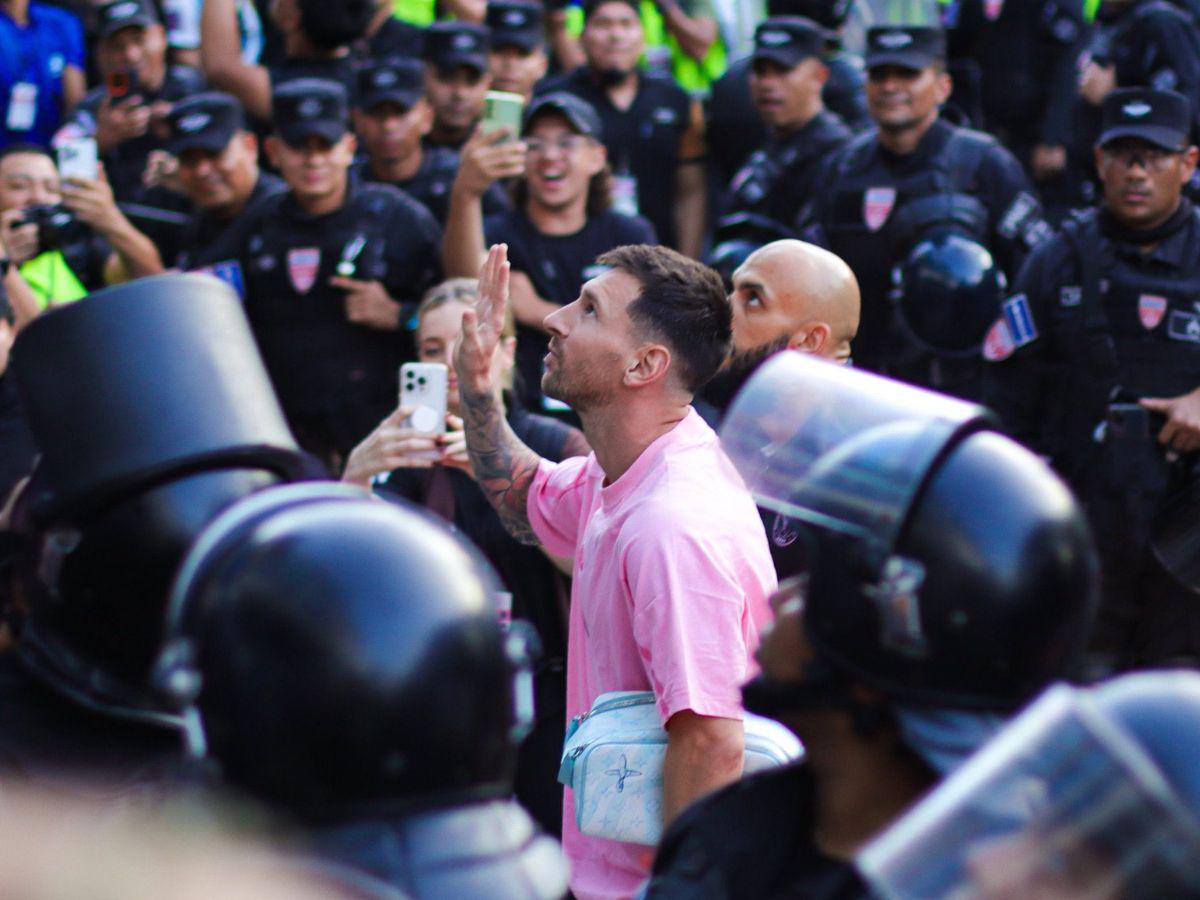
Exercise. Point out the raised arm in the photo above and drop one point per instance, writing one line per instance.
(504, 467)
(221, 59)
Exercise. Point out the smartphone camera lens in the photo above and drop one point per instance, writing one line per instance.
(421, 381)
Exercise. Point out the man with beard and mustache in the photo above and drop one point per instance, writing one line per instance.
(670, 563)
(788, 295)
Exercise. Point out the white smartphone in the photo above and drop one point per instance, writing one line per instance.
(423, 389)
(77, 158)
(503, 109)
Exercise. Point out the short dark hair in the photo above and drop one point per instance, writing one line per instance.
(330, 24)
(683, 304)
(25, 147)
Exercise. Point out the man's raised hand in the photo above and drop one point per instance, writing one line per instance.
(481, 326)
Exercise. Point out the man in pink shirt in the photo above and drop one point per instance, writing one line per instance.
(671, 566)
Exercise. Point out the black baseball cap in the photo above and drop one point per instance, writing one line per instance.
(449, 45)
(911, 46)
(590, 6)
(397, 80)
(1162, 118)
(581, 114)
(308, 106)
(515, 23)
(119, 14)
(206, 121)
(788, 40)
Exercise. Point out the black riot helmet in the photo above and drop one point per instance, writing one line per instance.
(153, 412)
(945, 564)
(338, 655)
(947, 287)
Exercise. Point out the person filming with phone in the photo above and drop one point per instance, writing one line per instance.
(127, 116)
(62, 238)
(432, 468)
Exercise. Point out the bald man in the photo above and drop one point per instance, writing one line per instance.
(787, 295)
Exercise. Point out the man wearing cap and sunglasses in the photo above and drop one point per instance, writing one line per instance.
(332, 270)
(1096, 364)
(217, 159)
(914, 173)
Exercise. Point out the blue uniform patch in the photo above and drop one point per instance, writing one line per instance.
(230, 272)
(1184, 326)
(1019, 320)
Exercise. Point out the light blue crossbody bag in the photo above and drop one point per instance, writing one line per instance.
(613, 758)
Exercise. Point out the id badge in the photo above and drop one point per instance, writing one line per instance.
(624, 195)
(22, 106)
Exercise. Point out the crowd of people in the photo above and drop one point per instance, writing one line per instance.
(830, 361)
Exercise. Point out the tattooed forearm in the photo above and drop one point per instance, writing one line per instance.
(504, 467)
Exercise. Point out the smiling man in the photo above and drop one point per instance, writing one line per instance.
(671, 571)
(916, 172)
(331, 266)
(562, 222)
(218, 170)
(1104, 316)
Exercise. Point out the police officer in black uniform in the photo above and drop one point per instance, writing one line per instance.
(1136, 43)
(456, 80)
(1104, 316)
(332, 269)
(392, 118)
(392, 742)
(517, 59)
(135, 461)
(902, 636)
(917, 171)
(733, 128)
(780, 177)
(218, 169)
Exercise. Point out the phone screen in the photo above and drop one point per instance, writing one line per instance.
(501, 109)
(77, 158)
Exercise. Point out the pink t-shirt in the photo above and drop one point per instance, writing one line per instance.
(671, 579)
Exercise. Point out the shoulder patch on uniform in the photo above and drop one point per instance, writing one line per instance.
(1020, 320)
(1012, 221)
(1184, 326)
(997, 343)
